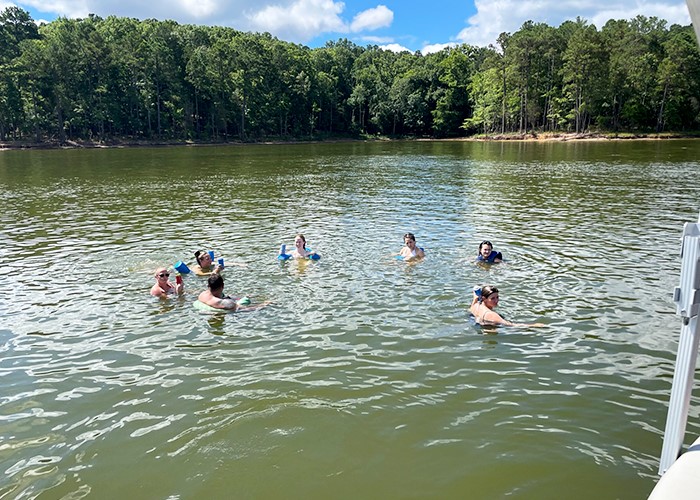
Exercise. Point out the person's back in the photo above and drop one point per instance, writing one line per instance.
(214, 297)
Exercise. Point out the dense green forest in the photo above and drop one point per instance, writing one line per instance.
(123, 79)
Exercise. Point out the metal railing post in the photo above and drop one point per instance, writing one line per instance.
(687, 299)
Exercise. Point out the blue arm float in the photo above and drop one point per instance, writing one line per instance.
(181, 267)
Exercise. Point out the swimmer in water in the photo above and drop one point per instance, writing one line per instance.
(411, 251)
(300, 251)
(214, 296)
(488, 254)
(205, 266)
(164, 286)
(483, 306)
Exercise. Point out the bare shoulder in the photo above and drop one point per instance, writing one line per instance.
(200, 272)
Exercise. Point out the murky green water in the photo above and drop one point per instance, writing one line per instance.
(365, 379)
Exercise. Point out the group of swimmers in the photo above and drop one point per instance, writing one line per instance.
(484, 301)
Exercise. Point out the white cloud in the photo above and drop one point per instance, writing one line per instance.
(302, 20)
(291, 20)
(371, 19)
(494, 17)
(376, 39)
(299, 21)
(182, 11)
(673, 13)
(68, 8)
(436, 47)
(199, 8)
(395, 47)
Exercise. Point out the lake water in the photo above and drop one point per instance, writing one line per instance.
(365, 378)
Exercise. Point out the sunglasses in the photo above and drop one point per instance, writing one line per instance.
(164, 275)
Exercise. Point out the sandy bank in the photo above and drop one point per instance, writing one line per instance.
(532, 137)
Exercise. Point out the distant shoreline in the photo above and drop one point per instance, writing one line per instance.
(530, 137)
(573, 137)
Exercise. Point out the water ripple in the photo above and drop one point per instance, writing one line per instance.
(364, 370)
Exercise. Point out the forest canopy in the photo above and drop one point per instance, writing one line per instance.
(120, 78)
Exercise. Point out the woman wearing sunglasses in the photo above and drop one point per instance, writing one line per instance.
(164, 286)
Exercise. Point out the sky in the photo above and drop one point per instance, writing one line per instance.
(412, 25)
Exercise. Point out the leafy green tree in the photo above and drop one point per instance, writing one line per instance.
(162, 70)
(678, 81)
(582, 74)
(16, 25)
(620, 45)
(125, 79)
(336, 60)
(649, 34)
(486, 91)
(99, 78)
(373, 75)
(453, 106)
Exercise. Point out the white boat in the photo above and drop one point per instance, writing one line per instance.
(682, 480)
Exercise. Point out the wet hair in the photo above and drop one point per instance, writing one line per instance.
(485, 242)
(199, 254)
(215, 282)
(410, 236)
(487, 291)
(299, 235)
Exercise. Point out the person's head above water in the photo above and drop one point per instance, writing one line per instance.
(162, 274)
(409, 240)
(483, 310)
(300, 241)
(203, 258)
(215, 282)
(485, 248)
(489, 296)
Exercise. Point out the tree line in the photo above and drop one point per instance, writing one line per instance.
(121, 78)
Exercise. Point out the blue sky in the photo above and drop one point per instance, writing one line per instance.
(411, 25)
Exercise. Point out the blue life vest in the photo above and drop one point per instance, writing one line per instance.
(492, 256)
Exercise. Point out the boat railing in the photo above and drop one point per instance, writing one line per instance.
(687, 299)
